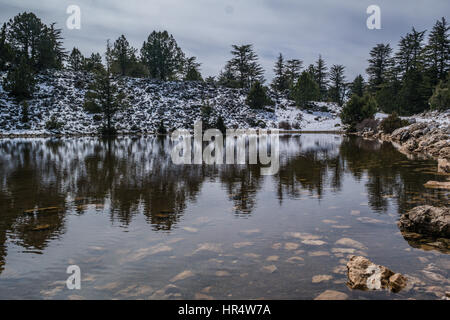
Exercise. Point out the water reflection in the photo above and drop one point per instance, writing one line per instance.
(130, 177)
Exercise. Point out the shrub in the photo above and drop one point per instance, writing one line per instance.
(53, 124)
(357, 109)
(367, 124)
(257, 97)
(25, 112)
(440, 100)
(392, 123)
(284, 125)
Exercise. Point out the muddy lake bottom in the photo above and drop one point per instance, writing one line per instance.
(140, 227)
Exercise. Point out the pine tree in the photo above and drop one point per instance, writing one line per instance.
(24, 34)
(306, 90)
(280, 82)
(94, 63)
(6, 54)
(380, 65)
(105, 97)
(76, 60)
(227, 77)
(257, 97)
(321, 77)
(220, 125)
(357, 87)
(51, 54)
(122, 57)
(192, 70)
(293, 71)
(410, 54)
(337, 88)
(20, 81)
(162, 56)
(437, 51)
(244, 66)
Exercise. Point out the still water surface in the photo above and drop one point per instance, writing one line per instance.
(139, 226)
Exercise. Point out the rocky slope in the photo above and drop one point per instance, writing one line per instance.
(178, 104)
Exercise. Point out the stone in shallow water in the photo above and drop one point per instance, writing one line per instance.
(277, 246)
(272, 258)
(314, 242)
(321, 278)
(318, 253)
(183, 275)
(291, 246)
(295, 259)
(347, 242)
(239, 245)
(427, 220)
(332, 295)
(222, 273)
(214, 247)
(201, 296)
(365, 275)
(270, 269)
(190, 229)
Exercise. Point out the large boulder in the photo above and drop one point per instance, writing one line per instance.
(427, 220)
(363, 274)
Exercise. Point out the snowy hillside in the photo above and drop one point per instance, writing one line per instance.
(177, 104)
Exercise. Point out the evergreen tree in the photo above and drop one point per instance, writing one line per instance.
(76, 60)
(192, 70)
(105, 97)
(321, 77)
(20, 81)
(437, 51)
(415, 92)
(337, 88)
(387, 96)
(24, 34)
(257, 97)
(51, 54)
(410, 54)
(440, 100)
(122, 57)
(357, 87)
(25, 112)
(244, 66)
(305, 90)
(380, 65)
(162, 56)
(293, 71)
(94, 63)
(227, 77)
(6, 54)
(280, 82)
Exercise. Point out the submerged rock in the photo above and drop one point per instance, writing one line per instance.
(332, 295)
(438, 185)
(363, 274)
(427, 220)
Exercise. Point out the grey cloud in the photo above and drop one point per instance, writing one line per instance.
(206, 29)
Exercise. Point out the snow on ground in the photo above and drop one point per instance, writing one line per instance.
(179, 104)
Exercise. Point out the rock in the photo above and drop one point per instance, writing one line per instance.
(321, 278)
(347, 242)
(332, 295)
(443, 166)
(427, 220)
(365, 275)
(183, 275)
(41, 227)
(397, 282)
(314, 242)
(438, 185)
(269, 269)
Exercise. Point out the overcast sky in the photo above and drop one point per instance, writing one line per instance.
(207, 28)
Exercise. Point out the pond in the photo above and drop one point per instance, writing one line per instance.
(140, 227)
